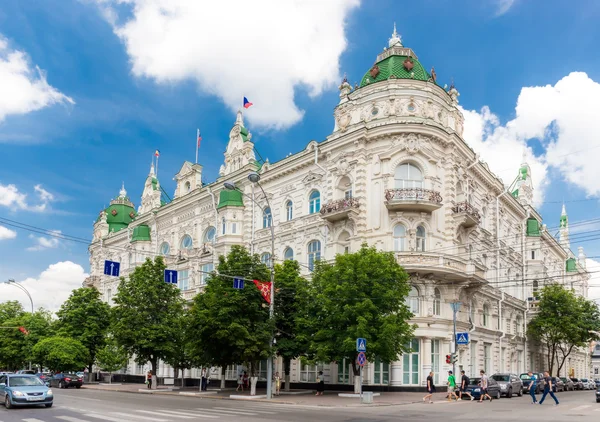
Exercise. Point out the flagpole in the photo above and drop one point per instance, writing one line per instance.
(157, 165)
(197, 137)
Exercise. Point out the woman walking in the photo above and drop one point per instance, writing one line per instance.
(149, 378)
(277, 383)
(240, 383)
(430, 388)
(320, 384)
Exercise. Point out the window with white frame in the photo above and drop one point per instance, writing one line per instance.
(183, 279)
(399, 238)
(435, 360)
(188, 186)
(381, 372)
(421, 239)
(348, 193)
(209, 235)
(519, 361)
(473, 365)
(408, 176)
(165, 248)
(412, 300)
(186, 242)
(314, 202)
(518, 326)
(233, 228)
(343, 369)
(485, 318)
(223, 226)
(437, 302)
(207, 269)
(288, 254)
(309, 373)
(261, 371)
(266, 259)
(487, 358)
(289, 210)
(410, 364)
(314, 253)
(267, 218)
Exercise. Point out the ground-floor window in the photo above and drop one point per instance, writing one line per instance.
(473, 369)
(344, 370)
(261, 371)
(205, 274)
(487, 358)
(435, 361)
(520, 361)
(410, 364)
(231, 372)
(308, 373)
(381, 374)
(183, 279)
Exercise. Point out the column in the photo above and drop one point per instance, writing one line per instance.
(425, 358)
(396, 373)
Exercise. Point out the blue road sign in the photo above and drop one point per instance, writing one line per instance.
(112, 268)
(238, 283)
(171, 276)
(361, 359)
(361, 345)
(462, 338)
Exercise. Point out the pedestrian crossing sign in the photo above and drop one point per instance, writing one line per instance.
(361, 345)
(462, 338)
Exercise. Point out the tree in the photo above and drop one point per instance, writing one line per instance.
(85, 317)
(111, 357)
(145, 314)
(230, 325)
(360, 295)
(291, 307)
(9, 310)
(182, 358)
(60, 354)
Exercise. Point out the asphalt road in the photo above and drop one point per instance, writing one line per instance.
(96, 406)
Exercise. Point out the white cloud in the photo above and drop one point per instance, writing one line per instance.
(42, 242)
(50, 289)
(504, 6)
(593, 267)
(564, 117)
(7, 233)
(24, 88)
(259, 49)
(11, 197)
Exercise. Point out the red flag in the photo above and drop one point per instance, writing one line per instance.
(199, 138)
(24, 330)
(264, 288)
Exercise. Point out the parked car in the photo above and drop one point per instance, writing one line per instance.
(578, 383)
(509, 384)
(569, 385)
(26, 371)
(66, 380)
(24, 390)
(598, 395)
(475, 389)
(597, 381)
(527, 382)
(45, 378)
(557, 385)
(588, 384)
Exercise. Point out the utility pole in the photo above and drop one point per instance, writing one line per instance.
(455, 308)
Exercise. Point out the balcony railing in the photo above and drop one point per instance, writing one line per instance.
(340, 209)
(449, 267)
(467, 213)
(416, 199)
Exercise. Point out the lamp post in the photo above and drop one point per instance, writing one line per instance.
(255, 178)
(455, 308)
(14, 283)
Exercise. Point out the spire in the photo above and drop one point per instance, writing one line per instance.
(239, 120)
(564, 211)
(122, 192)
(396, 39)
(151, 169)
(564, 229)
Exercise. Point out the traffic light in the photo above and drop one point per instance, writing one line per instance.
(448, 359)
(454, 357)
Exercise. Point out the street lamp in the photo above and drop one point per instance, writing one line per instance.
(14, 283)
(255, 178)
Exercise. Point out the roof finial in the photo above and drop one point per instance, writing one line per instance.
(152, 168)
(239, 120)
(564, 210)
(396, 39)
(122, 192)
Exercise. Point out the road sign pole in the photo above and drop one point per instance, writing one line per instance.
(361, 368)
(455, 307)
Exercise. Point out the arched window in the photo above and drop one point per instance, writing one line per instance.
(412, 300)
(314, 202)
(289, 210)
(314, 253)
(267, 218)
(223, 225)
(486, 315)
(266, 259)
(460, 193)
(188, 186)
(186, 242)
(165, 249)
(210, 234)
(344, 242)
(421, 239)
(518, 326)
(408, 176)
(288, 254)
(399, 238)
(437, 302)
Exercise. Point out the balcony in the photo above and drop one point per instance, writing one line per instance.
(340, 209)
(91, 281)
(466, 215)
(413, 199)
(444, 267)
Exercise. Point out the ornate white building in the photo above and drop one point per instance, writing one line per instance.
(395, 173)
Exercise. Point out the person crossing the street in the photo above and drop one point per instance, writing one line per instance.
(451, 386)
(464, 385)
(484, 386)
(548, 389)
(430, 388)
(532, 387)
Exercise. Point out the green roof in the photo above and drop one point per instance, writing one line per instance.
(244, 132)
(571, 265)
(119, 214)
(141, 233)
(154, 183)
(393, 66)
(533, 227)
(230, 198)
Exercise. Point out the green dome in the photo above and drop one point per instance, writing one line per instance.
(230, 198)
(396, 66)
(141, 233)
(120, 212)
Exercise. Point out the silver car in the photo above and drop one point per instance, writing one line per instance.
(588, 384)
(509, 384)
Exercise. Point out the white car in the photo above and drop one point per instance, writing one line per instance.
(588, 384)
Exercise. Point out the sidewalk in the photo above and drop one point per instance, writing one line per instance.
(294, 397)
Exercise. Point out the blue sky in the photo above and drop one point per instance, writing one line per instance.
(111, 91)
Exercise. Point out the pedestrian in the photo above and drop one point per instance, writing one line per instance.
(464, 385)
(320, 384)
(204, 382)
(246, 380)
(548, 388)
(240, 383)
(484, 386)
(149, 378)
(451, 386)
(430, 388)
(277, 383)
(532, 387)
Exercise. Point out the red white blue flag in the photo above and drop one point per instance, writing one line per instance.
(247, 103)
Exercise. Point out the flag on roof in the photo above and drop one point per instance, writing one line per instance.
(157, 153)
(199, 138)
(247, 103)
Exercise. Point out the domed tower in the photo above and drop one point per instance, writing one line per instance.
(116, 217)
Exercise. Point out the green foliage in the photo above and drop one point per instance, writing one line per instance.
(182, 356)
(228, 325)
(9, 310)
(111, 357)
(146, 313)
(85, 317)
(60, 354)
(360, 295)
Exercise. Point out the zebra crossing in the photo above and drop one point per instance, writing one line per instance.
(216, 413)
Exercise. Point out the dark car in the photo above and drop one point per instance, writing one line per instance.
(475, 389)
(569, 385)
(24, 390)
(66, 381)
(557, 385)
(44, 377)
(509, 384)
(578, 383)
(539, 386)
(598, 395)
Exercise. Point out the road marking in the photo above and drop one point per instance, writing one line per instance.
(585, 406)
(160, 413)
(230, 412)
(258, 410)
(103, 417)
(70, 419)
(176, 412)
(32, 420)
(79, 398)
(144, 417)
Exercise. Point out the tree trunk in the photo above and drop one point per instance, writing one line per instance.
(153, 365)
(287, 363)
(564, 358)
(222, 377)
